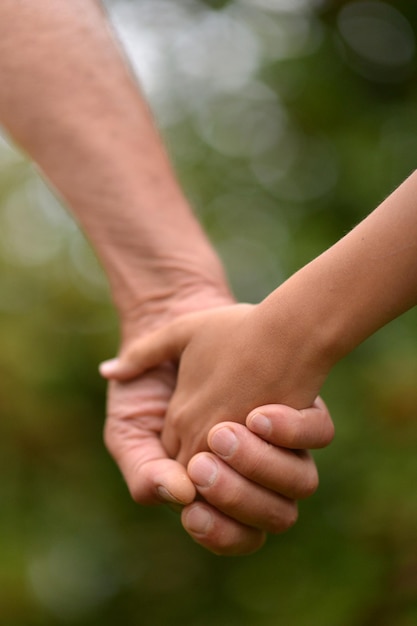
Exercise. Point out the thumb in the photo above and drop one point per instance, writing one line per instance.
(164, 344)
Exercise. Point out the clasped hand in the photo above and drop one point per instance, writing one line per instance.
(183, 393)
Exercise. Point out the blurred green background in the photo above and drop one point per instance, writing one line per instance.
(287, 121)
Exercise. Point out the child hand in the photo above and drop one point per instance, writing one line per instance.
(231, 360)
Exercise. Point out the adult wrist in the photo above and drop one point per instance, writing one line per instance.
(161, 308)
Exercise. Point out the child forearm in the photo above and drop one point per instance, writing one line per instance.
(360, 284)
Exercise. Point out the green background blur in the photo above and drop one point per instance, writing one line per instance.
(287, 121)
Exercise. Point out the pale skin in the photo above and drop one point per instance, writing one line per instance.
(69, 100)
(288, 343)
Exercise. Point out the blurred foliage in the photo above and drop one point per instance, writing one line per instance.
(287, 121)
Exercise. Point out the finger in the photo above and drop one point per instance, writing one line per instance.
(150, 477)
(291, 428)
(239, 498)
(218, 533)
(164, 344)
(133, 439)
(291, 474)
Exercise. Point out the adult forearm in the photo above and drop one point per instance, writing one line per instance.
(69, 99)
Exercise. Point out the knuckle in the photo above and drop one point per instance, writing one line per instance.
(296, 432)
(291, 516)
(136, 493)
(284, 518)
(234, 500)
(178, 414)
(305, 478)
(309, 482)
(242, 545)
(328, 433)
(257, 466)
(175, 416)
(288, 518)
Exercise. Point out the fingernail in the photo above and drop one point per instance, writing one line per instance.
(260, 424)
(197, 520)
(202, 471)
(108, 367)
(223, 442)
(167, 495)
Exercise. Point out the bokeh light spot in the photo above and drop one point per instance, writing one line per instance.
(378, 39)
(245, 126)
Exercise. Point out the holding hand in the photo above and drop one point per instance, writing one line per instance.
(254, 484)
(249, 486)
(230, 362)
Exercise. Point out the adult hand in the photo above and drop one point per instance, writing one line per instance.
(254, 486)
(250, 487)
(230, 361)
